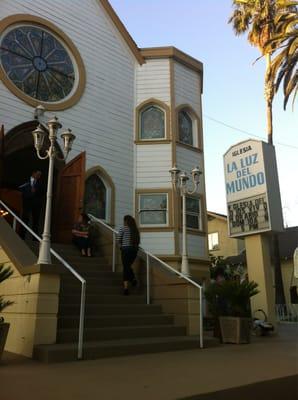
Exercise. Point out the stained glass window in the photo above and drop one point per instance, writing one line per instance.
(153, 209)
(37, 63)
(95, 197)
(152, 123)
(185, 128)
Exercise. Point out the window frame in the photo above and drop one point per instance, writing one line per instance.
(144, 109)
(215, 247)
(196, 128)
(139, 210)
(199, 214)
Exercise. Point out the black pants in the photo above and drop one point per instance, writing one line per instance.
(128, 255)
(83, 243)
(30, 209)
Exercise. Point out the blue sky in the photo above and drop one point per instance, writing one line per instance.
(233, 86)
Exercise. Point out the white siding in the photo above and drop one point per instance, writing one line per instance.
(158, 242)
(103, 118)
(195, 246)
(187, 87)
(153, 164)
(187, 160)
(153, 80)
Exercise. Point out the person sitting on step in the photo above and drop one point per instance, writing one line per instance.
(80, 235)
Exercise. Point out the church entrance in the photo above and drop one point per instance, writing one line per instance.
(19, 159)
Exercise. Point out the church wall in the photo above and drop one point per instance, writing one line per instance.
(187, 87)
(153, 164)
(153, 81)
(103, 118)
(158, 242)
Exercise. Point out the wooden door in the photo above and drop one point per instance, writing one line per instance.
(69, 199)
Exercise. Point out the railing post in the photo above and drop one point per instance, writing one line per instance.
(201, 318)
(82, 318)
(114, 252)
(14, 224)
(148, 277)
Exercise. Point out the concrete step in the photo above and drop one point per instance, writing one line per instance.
(91, 289)
(116, 309)
(91, 321)
(120, 332)
(114, 348)
(99, 281)
(74, 298)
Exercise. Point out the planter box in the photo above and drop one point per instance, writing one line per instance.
(235, 330)
(4, 327)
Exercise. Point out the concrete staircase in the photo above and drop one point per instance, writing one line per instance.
(115, 325)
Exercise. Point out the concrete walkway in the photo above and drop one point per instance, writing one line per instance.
(264, 369)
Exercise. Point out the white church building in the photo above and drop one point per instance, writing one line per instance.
(135, 113)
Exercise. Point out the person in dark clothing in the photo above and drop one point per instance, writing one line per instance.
(128, 240)
(32, 201)
(80, 235)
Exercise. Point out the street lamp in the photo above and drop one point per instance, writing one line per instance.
(39, 135)
(179, 181)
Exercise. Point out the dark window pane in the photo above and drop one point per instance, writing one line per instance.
(152, 123)
(185, 128)
(192, 221)
(95, 197)
(192, 205)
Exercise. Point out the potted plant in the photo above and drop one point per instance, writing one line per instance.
(229, 302)
(5, 272)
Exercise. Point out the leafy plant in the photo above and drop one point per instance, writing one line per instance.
(230, 298)
(5, 273)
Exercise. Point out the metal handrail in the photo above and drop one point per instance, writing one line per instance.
(67, 266)
(171, 269)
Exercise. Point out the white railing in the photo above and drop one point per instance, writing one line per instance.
(67, 266)
(287, 312)
(146, 256)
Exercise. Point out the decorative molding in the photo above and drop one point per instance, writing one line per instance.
(64, 104)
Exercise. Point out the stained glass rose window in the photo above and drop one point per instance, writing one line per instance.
(37, 63)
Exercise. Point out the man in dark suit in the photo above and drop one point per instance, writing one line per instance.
(32, 201)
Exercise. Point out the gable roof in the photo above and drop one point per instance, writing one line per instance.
(122, 30)
(151, 52)
(212, 215)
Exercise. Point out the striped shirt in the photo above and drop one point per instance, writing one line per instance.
(124, 237)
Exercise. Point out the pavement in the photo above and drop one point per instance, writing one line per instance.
(265, 369)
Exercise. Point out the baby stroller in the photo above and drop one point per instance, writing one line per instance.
(261, 327)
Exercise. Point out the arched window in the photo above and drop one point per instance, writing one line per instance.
(152, 123)
(95, 199)
(185, 128)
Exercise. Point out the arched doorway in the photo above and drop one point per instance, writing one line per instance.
(20, 159)
(99, 198)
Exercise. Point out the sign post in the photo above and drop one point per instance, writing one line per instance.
(254, 210)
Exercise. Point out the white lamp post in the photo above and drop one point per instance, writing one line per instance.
(39, 135)
(179, 181)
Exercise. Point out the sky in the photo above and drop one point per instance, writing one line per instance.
(234, 108)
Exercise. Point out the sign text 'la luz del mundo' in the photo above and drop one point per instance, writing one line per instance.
(252, 189)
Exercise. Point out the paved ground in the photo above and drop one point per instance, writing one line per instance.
(265, 369)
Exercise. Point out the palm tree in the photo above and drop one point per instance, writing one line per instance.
(284, 64)
(257, 17)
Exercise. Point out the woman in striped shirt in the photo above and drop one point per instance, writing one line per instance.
(129, 240)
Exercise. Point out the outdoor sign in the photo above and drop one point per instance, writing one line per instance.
(252, 189)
